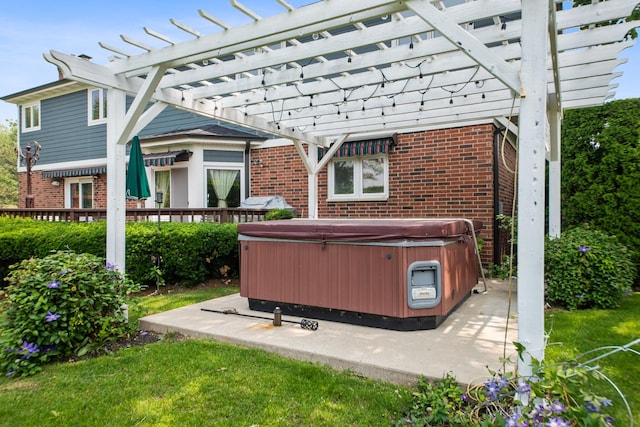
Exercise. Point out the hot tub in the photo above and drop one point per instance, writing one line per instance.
(402, 274)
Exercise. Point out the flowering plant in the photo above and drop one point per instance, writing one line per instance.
(557, 395)
(587, 268)
(61, 305)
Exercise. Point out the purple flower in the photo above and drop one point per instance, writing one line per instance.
(558, 422)
(143, 333)
(609, 421)
(558, 407)
(591, 407)
(523, 386)
(502, 382)
(53, 284)
(65, 271)
(10, 373)
(28, 349)
(492, 391)
(606, 402)
(110, 267)
(464, 397)
(584, 249)
(516, 420)
(51, 317)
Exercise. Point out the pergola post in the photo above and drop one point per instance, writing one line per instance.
(116, 179)
(555, 127)
(313, 181)
(531, 183)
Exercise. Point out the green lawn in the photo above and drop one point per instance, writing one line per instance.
(198, 382)
(574, 333)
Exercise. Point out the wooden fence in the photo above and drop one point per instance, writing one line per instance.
(220, 215)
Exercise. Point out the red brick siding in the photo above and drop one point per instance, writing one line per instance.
(47, 195)
(440, 173)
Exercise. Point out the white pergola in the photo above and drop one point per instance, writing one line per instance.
(331, 70)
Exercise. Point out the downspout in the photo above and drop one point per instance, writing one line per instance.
(247, 172)
(497, 242)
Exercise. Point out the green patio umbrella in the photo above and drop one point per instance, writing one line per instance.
(137, 183)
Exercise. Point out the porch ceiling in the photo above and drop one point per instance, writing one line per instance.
(367, 66)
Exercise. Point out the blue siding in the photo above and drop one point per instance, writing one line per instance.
(65, 135)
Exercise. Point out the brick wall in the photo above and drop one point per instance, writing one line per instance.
(47, 195)
(440, 173)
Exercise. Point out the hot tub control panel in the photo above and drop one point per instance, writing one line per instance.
(423, 284)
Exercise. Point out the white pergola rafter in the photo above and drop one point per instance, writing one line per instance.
(331, 70)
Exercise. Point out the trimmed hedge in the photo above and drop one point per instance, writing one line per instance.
(190, 252)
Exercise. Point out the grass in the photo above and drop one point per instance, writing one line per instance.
(577, 332)
(195, 382)
(169, 300)
(203, 382)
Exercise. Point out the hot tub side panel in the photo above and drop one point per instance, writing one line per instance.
(357, 278)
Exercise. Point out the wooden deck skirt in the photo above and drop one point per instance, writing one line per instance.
(402, 274)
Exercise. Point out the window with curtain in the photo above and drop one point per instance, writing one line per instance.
(163, 184)
(223, 188)
(359, 178)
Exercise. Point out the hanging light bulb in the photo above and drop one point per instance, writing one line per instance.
(338, 111)
(315, 36)
(411, 43)
(451, 100)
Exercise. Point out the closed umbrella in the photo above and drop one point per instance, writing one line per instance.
(137, 183)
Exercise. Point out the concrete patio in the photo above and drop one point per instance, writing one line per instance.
(470, 340)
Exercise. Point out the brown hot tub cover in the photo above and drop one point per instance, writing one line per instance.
(359, 230)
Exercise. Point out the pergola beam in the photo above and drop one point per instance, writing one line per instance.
(468, 44)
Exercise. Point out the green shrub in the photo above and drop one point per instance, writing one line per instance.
(587, 268)
(275, 214)
(61, 305)
(190, 252)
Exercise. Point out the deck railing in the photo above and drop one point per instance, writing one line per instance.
(221, 215)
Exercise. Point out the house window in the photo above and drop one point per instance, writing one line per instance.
(359, 178)
(31, 117)
(97, 106)
(80, 194)
(224, 188)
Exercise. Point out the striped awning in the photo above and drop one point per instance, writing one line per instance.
(365, 147)
(63, 173)
(166, 158)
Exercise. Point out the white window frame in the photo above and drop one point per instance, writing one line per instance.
(79, 181)
(30, 127)
(358, 194)
(225, 166)
(102, 96)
